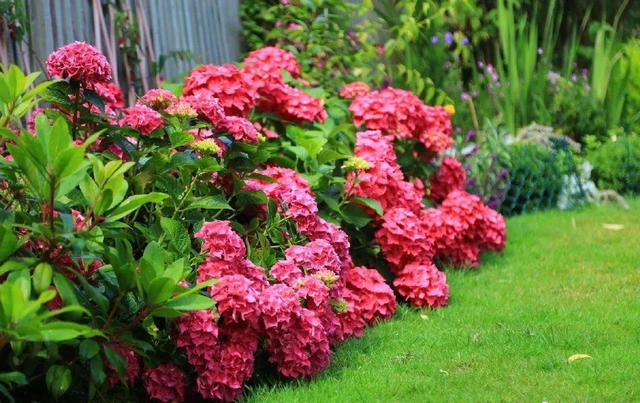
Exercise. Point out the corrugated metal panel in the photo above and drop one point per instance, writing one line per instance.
(209, 29)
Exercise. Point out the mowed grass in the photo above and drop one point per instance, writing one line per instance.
(565, 285)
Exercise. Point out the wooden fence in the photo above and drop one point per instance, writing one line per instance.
(182, 33)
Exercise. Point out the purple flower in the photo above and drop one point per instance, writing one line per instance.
(464, 96)
(574, 78)
(435, 39)
(540, 51)
(471, 134)
(465, 41)
(480, 65)
(448, 38)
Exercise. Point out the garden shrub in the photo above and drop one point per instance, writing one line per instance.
(535, 179)
(168, 248)
(616, 164)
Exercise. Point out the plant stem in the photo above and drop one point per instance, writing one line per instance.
(75, 111)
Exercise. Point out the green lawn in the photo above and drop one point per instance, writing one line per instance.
(564, 285)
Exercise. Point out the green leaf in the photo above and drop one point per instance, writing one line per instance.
(177, 234)
(116, 360)
(355, 215)
(62, 330)
(88, 349)
(133, 203)
(209, 203)
(8, 243)
(160, 289)
(58, 380)
(372, 204)
(191, 302)
(178, 139)
(42, 276)
(96, 367)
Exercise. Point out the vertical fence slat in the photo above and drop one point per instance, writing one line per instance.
(207, 28)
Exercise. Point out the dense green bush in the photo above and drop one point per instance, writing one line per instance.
(535, 179)
(616, 164)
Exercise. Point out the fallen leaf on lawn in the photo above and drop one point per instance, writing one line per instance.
(442, 371)
(424, 317)
(578, 357)
(613, 227)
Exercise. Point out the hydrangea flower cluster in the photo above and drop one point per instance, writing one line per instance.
(141, 118)
(165, 383)
(293, 311)
(410, 235)
(401, 114)
(449, 177)
(80, 62)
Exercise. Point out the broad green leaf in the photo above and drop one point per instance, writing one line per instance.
(160, 289)
(209, 203)
(8, 243)
(176, 234)
(88, 349)
(372, 204)
(58, 380)
(133, 203)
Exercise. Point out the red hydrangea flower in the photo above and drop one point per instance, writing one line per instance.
(158, 99)
(240, 128)
(316, 256)
(276, 304)
(80, 62)
(141, 118)
(422, 285)
(313, 291)
(221, 241)
(207, 107)
(300, 349)
(438, 128)
(494, 230)
(226, 83)
(354, 89)
(292, 104)
(382, 182)
(449, 177)
(403, 239)
(231, 366)
(111, 94)
(370, 294)
(264, 66)
(132, 362)
(401, 114)
(236, 300)
(165, 383)
(197, 334)
(286, 272)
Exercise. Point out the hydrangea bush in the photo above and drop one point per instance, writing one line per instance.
(169, 248)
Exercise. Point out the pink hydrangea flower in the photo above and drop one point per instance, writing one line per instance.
(291, 104)
(354, 89)
(221, 241)
(158, 99)
(449, 177)
(370, 294)
(422, 285)
(300, 349)
(111, 94)
(79, 61)
(141, 118)
(236, 300)
(240, 128)
(226, 83)
(401, 114)
(403, 239)
(165, 383)
(207, 107)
